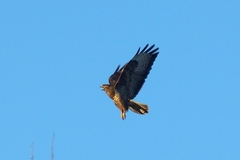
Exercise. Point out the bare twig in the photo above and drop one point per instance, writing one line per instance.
(52, 153)
(32, 151)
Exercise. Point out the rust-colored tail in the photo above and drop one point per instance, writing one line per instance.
(138, 107)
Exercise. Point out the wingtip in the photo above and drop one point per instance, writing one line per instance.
(117, 68)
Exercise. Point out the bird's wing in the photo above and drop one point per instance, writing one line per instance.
(123, 85)
(133, 74)
(114, 77)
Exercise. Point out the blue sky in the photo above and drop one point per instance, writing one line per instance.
(54, 55)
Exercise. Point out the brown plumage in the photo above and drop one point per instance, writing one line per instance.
(125, 83)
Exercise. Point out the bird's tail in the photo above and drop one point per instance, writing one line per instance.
(138, 107)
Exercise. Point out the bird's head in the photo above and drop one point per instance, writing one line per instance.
(104, 87)
(108, 89)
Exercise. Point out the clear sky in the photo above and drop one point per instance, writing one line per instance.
(54, 55)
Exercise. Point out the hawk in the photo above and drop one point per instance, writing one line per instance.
(125, 83)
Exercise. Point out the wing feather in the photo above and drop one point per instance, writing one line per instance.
(132, 76)
(125, 79)
(114, 77)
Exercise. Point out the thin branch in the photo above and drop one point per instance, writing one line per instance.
(32, 151)
(52, 153)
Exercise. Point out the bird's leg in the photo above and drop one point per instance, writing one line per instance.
(123, 115)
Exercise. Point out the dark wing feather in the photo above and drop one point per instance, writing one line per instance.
(133, 74)
(114, 77)
(125, 79)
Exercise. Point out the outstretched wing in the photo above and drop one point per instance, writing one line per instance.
(133, 74)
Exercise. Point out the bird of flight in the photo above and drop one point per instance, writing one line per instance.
(125, 83)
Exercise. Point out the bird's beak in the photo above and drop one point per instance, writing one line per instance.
(102, 88)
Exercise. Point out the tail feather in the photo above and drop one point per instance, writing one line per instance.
(138, 107)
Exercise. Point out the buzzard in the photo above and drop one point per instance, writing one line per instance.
(125, 83)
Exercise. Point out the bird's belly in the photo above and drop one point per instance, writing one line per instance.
(121, 104)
